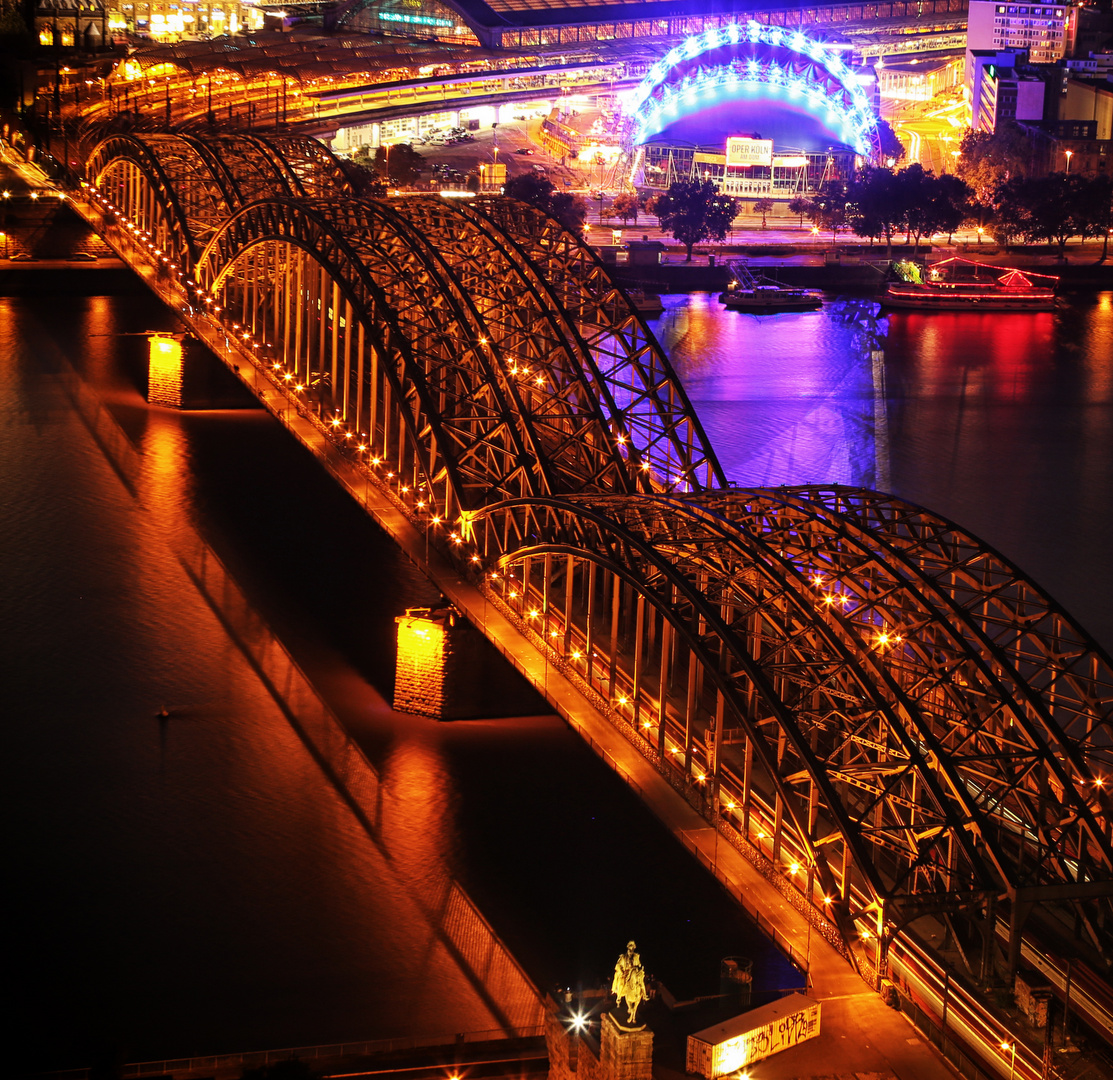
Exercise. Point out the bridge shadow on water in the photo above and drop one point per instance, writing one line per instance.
(559, 855)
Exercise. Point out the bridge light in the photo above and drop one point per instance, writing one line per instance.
(794, 869)
(361, 447)
(513, 595)
(534, 613)
(623, 700)
(817, 580)
(576, 654)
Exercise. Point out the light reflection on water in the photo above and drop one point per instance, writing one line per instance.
(1002, 422)
(781, 397)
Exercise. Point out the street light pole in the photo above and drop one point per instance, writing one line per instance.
(1006, 1045)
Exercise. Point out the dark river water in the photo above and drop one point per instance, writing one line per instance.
(195, 885)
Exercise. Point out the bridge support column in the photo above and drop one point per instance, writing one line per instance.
(178, 373)
(437, 665)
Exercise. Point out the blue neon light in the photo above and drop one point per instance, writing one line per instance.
(653, 97)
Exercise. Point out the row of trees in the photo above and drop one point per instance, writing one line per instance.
(914, 203)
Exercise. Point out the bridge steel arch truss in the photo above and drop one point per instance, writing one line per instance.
(883, 712)
(432, 343)
(889, 717)
(175, 190)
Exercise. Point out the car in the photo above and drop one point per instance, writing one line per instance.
(83, 256)
(525, 150)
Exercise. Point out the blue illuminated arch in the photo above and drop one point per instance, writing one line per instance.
(726, 62)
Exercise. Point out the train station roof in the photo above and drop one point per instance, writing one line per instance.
(306, 54)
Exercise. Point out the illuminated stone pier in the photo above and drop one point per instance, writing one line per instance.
(436, 664)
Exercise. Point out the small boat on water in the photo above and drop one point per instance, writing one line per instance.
(958, 284)
(761, 295)
(646, 303)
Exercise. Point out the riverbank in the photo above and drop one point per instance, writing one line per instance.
(860, 269)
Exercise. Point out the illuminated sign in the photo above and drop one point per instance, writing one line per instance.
(415, 20)
(742, 153)
(789, 162)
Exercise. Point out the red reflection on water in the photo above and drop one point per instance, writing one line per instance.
(997, 354)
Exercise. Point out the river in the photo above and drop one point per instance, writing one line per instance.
(195, 885)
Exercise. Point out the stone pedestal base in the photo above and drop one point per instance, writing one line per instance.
(625, 1053)
(622, 1052)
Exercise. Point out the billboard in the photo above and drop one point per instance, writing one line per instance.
(743, 152)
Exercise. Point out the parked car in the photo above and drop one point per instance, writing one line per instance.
(525, 150)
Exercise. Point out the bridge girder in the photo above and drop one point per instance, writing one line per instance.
(900, 799)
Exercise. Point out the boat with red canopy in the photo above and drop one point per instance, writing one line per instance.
(958, 284)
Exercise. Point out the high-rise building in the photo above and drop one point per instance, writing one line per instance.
(1045, 31)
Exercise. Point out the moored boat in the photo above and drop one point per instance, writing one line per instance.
(646, 303)
(958, 284)
(761, 295)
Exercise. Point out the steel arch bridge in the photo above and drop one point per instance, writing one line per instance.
(882, 713)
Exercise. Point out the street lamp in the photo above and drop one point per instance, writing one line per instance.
(1005, 1045)
(1070, 154)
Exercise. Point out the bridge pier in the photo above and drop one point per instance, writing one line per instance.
(436, 665)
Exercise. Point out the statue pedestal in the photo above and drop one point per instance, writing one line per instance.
(625, 1053)
(622, 1052)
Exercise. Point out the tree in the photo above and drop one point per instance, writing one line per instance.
(399, 164)
(931, 203)
(1011, 217)
(987, 160)
(801, 207)
(693, 211)
(951, 199)
(625, 206)
(874, 205)
(366, 183)
(1096, 211)
(763, 207)
(537, 190)
(1055, 207)
(891, 148)
(830, 207)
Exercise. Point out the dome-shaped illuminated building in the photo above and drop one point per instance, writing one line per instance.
(762, 110)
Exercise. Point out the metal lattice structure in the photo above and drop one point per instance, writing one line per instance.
(881, 711)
